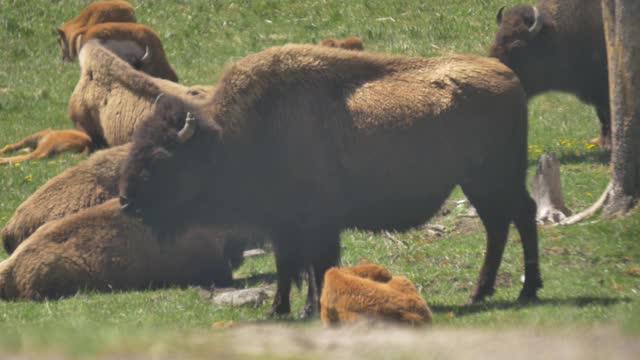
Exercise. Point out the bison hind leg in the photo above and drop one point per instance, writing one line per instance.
(498, 205)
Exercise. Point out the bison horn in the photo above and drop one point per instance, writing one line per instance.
(499, 15)
(189, 128)
(124, 203)
(537, 22)
(146, 54)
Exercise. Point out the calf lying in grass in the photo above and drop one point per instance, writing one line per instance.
(349, 43)
(102, 249)
(47, 143)
(369, 291)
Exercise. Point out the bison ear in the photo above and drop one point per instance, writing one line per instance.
(499, 16)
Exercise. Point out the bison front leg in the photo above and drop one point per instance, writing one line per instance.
(324, 254)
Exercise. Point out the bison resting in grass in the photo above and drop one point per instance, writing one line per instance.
(111, 98)
(91, 182)
(47, 143)
(137, 44)
(348, 43)
(102, 249)
(369, 291)
(308, 140)
(558, 45)
(96, 13)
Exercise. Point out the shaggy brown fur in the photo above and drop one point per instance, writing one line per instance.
(129, 41)
(102, 249)
(111, 98)
(369, 291)
(96, 13)
(308, 140)
(350, 43)
(91, 182)
(48, 143)
(567, 53)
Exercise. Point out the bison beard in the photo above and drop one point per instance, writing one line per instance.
(305, 141)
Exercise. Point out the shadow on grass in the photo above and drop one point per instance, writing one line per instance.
(599, 157)
(579, 301)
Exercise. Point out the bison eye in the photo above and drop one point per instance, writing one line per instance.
(160, 154)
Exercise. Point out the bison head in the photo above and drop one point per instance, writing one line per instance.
(524, 43)
(162, 176)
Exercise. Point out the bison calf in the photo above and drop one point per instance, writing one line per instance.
(47, 143)
(369, 291)
(350, 43)
(137, 44)
(102, 249)
(96, 13)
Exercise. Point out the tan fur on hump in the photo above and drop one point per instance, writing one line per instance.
(111, 98)
(382, 75)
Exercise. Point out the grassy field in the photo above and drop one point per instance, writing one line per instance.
(591, 270)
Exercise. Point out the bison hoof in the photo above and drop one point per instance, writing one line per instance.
(529, 295)
(307, 312)
(479, 295)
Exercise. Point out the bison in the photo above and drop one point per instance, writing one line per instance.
(101, 249)
(558, 45)
(96, 13)
(137, 44)
(47, 143)
(91, 182)
(369, 291)
(112, 98)
(305, 141)
(349, 43)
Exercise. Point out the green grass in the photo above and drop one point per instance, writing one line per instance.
(583, 265)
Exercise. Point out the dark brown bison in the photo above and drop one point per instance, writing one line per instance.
(305, 141)
(102, 249)
(97, 13)
(558, 45)
(112, 98)
(90, 183)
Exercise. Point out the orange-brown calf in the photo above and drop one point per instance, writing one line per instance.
(369, 291)
(96, 13)
(349, 43)
(48, 143)
(137, 44)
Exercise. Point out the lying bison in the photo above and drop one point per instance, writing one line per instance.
(112, 98)
(47, 143)
(348, 43)
(558, 45)
(91, 182)
(137, 44)
(96, 13)
(307, 140)
(101, 249)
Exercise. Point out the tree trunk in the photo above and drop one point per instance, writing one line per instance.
(622, 32)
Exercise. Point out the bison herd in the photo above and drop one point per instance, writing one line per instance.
(293, 145)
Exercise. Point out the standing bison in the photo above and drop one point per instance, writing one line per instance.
(558, 45)
(307, 140)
